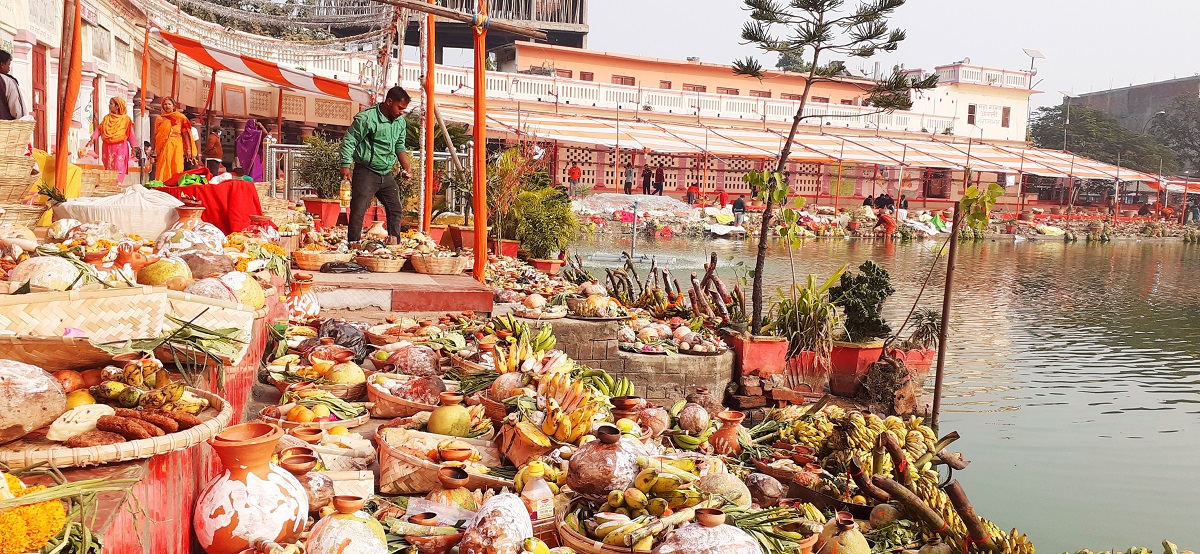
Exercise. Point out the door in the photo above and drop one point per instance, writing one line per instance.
(39, 97)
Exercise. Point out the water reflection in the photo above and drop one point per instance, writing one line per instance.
(1073, 374)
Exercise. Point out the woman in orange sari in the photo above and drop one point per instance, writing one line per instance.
(116, 135)
(172, 141)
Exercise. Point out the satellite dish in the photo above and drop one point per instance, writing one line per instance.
(965, 60)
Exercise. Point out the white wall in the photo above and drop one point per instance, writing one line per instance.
(953, 101)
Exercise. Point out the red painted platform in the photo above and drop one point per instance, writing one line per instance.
(402, 292)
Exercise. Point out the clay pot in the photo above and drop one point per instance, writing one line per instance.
(710, 517)
(345, 504)
(434, 545)
(311, 435)
(296, 451)
(725, 440)
(189, 217)
(301, 300)
(251, 498)
(424, 518)
(453, 477)
(451, 398)
(626, 403)
(608, 433)
(454, 454)
(705, 398)
(298, 464)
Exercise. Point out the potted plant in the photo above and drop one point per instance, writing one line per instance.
(321, 168)
(546, 227)
(516, 171)
(861, 298)
(920, 349)
(807, 318)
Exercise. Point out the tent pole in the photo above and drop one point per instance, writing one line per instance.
(175, 77)
(70, 69)
(427, 154)
(956, 222)
(480, 27)
(212, 87)
(142, 112)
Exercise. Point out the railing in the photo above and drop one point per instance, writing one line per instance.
(982, 76)
(570, 12)
(284, 157)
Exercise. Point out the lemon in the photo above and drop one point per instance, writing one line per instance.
(625, 425)
(320, 410)
(80, 397)
(338, 430)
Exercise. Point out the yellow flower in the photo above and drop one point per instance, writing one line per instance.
(12, 533)
(28, 528)
(243, 264)
(14, 485)
(274, 249)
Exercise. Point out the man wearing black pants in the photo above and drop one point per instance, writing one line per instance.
(372, 145)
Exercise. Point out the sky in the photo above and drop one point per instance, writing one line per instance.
(1089, 45)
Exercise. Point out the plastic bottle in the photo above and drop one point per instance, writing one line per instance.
(536, 495)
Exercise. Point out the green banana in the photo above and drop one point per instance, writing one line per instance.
(677, 408)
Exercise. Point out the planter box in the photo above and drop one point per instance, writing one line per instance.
(759, 355)
(436, 232)
(463, 236)
(920, 361)
(507, 247)
(850, 361)
(550, 267)
(327, 210)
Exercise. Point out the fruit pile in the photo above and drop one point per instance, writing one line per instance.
(306, 405)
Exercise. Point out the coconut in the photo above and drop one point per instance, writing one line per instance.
(51, 272)
(593, 289)
(693, 418)
(534, 301)
(204, 263)
(766, 491)
(626, 334)
(681, 332)
(597, 468)
(883, 514)
(212, 288)
(248, 291)
(504, 385)
(345, 373)
(727, 485)
(655, 420)
(172, 273)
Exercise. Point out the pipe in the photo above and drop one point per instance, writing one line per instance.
(946, 296)
(479, 169)
(427, 155)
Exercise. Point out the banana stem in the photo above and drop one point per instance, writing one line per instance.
(899, 460)
(678, 518)
(958, 499)
(864, 484)
(911, 502)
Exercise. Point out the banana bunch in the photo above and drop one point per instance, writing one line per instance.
(1012, 542)
(507, 322)
(509, 358)
(559, 387)
(555, 477)
(810, 431)
(568, 426)
(810, 512)
(918, 424)
(611, 528)
(687, 442)
(622, 387)
(599, 380)
(534, 545)
(544, 340)
(925, 486)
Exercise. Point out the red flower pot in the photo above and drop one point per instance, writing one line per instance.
(436, 232)
(919, 360)
(327, 210)
(760, 355)
(507, 247)
(811, 370)
(550, 267)
(849, 362)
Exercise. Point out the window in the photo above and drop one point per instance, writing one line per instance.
(565, 73)
(970, 114)
(847, 101)
(817, 99)
(760, 93)
(694, 88)
(791, 96)
(623, 80)
(664, 85)
(729, 91)
(586, 76)
(1005, 117)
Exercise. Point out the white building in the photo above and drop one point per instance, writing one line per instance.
(982, 102)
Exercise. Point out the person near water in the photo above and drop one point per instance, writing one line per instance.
(574, 174)
(692, 192)
(902, 208)
(630, 175)
(722, 198)
(172, 141)
(115, 134)
(12, 106)
(869, 201)
(647, 178)
(660, 179)
(739, 210)
(886, 221)
(214, 152)
(249, 149)
(373, 144)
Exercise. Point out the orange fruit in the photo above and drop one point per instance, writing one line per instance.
(70, 380)
(300, 414)
(92, 377)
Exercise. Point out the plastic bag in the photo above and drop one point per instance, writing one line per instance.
(347, 335)
(343, 267)
(499, 527)
(698, 539)
(30, 399)
(421, 361)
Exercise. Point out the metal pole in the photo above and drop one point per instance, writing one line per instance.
(430, 121)
(480, 28)
(633, 246)
(942, 335)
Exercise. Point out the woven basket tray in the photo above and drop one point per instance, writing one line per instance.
(581, 544)
(14, 191)
(37, 449)
(15, 137)
(54, 353)
(21, 214)
(352, 393)
(458, 361)
(312, 261)
(19, 167)
(401, 471)
(438, 265)
(104, 315)
(381, 265)
(326, 425)
(215, 314)
(384, 405)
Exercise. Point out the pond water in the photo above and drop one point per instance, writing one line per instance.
(1073, 374)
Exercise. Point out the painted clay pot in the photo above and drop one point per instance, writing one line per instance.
(251, 498)
(302, 302)
(725, 440)
(350, 531)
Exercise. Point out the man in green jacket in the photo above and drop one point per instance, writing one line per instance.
(372, 145)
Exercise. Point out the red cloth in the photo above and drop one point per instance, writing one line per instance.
(228, 205)
(203, 171)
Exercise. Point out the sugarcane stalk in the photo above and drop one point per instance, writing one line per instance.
(695, 305)
(629, 266)
(678, 518)
(958, 499)
(865, 484)
(722, 308)
(953, 459)
(398, 527)
(705, 309)
(911, 502)
(899, 460)
(666, 279)
(721, 289)
(710, 269)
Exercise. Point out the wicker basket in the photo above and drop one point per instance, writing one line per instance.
(571, 538)
(312, 261)
(15, 137)
(325, 425)
(439, 265)
(215, 314)
(108, 184)
(473, 367)
(104, 315)
(13, 168)
(516, 452)
(352, 393)
(384, 405)
(402, 471)
(36, 449)
(54, 353)
(21, 214)
(89, 182)
(381, 265)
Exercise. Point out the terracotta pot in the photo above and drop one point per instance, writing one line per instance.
(549, 267)
(608, 433)
(706, 400)
(311, 435)
(710, 517)
(377, 230)
(450, 398)
(327, 210)
(298, 465)
(189, 217)
(625, 403)
(345, 504)
(454, 454)
(453, 477)
(806, 545)
(251, 498)
(302, 302)
(725, 440)
(760, 355)
(849, 362)
(428, 519)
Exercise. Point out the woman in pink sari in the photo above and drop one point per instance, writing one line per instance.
(116, 134)
(249, 149)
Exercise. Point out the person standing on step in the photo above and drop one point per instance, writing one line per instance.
(739, 210)
(660, 179)
(372, 145)
(647, 178)
(630, 175)
(574, 174)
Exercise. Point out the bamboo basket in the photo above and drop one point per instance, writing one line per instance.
(18, 167)
(21, 214)
(496, 411)
(15, 137)
(584, 545)
(108, 184)
(54, 353)
(312, 261)
(17, 179)
(32, 449)
(384, 405)
(439, 265)
(379, 339)
(104, 315)
(381, 265)
(89, 182)
(458, 361)
(402, 472)
(324, 425)
(351, 393)
(517, 452)
(215, 314)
